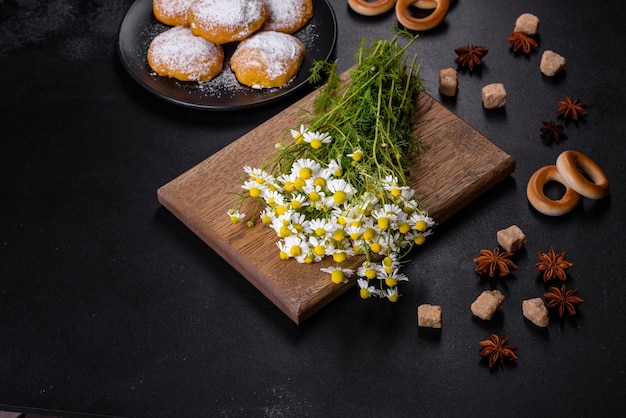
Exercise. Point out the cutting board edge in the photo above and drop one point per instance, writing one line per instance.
(290, 307)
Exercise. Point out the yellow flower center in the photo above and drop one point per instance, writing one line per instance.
(295, 251)
(421, 226)
(289, 186)
(284, 232)
(375, 247)
(365, 294)
(371, 273)
(339, 235)
(419, 240)
(339, 256)
(383, 222)
(296, 204)
(316, 143)
(404, 228)
(391, 281)
(284, 255)
(369, 234)
(357, 155)
(320, 181)
(314, 196)
(319, 250)
(299, 183)
(339, 197)
(305, 173)
(255, 192)
(337, 276)
(299, 138)
(320, 232)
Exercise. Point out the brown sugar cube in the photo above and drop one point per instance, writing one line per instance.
(527, 23)
(536, 312)
(448, 82)
(429, 316)
(494, 95)
(551, 63)
(487, 303)
(511, 238)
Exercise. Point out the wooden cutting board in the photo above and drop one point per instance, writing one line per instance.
(459, 166)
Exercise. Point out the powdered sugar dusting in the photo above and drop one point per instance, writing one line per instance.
(172, 9)
(231, 14)
(177, 48)
(225, 85)
(283, 12)
(277, 50)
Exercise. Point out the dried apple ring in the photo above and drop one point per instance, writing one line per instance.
(569, 163)
(371, 8)
(541, 202)
(421, 23)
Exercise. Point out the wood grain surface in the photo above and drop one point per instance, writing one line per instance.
(459, 166)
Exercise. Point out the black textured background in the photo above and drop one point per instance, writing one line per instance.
(110, 306)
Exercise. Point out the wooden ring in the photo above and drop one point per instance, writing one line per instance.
(570, 163)
(371, 8)
(545, 205)
(413, 23)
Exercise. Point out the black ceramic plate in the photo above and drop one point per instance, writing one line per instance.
(139, 27)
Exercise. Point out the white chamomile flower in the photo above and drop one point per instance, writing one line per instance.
(365, 290)
(391, 279)
(298, 201)
(298, 134)
(320, 246)
(235, 216)
(422, 222)
(317, 139)
(266, 216)
(338, 274)
(320, 227)
(341, 254)
(357, 155)
(259, 175)
(296, 247)
(341, 190)
(369, 270)
(273, 198)
(305, 168)
(392, 294)
(335, 168)
(254, 188)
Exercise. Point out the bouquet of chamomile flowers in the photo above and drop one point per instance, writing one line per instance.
(337, 187)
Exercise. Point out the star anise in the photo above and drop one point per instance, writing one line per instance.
(520, 40)
(497, 349)
(551, 132)
(563, 300)
(571, 109)
(494, 262)
(470, 56)
(553, 265)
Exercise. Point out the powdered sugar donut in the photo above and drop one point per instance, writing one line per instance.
(171, 12)
(178, 53)
(267, 59)
(223, 21)
(287, 15)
